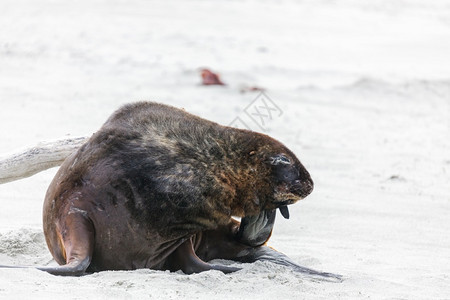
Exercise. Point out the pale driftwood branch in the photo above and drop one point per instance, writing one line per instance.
(41, 157)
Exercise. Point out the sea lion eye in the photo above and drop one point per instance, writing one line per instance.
(280, 159)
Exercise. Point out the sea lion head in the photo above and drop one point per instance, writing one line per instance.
(291, 181)
(281, 178)
(288, 182)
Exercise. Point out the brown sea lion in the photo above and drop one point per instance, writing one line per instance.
(156, 187)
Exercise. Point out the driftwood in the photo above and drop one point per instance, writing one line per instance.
(45, 155)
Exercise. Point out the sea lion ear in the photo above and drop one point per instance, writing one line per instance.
(279, 159)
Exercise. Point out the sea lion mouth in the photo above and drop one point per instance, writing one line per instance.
(284, 211)
(283, 203)
(282, 206)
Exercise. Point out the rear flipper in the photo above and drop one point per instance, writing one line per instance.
(74, 268)
(256, 230)
(73, 244)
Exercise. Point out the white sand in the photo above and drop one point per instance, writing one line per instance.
(365, 94)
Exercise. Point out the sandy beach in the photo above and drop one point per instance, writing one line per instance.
(362, 97)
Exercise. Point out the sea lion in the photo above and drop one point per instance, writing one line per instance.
(157, 187)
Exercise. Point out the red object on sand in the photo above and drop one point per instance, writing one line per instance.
(245, 89)
(210, 78)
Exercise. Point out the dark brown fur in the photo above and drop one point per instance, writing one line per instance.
(157, 186)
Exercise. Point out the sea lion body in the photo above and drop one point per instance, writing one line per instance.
(156, 187)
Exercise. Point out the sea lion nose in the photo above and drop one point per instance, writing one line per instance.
(308, 186)
(303, 187)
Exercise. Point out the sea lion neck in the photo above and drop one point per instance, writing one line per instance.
(240, 166)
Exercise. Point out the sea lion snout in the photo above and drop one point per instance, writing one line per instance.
(292, 179)
(302, 187)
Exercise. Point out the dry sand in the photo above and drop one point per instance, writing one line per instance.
(364, 90)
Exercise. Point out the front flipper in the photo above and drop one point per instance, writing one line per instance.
(266, 253)
(256, 230)
(185, 259)
(223, 244)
